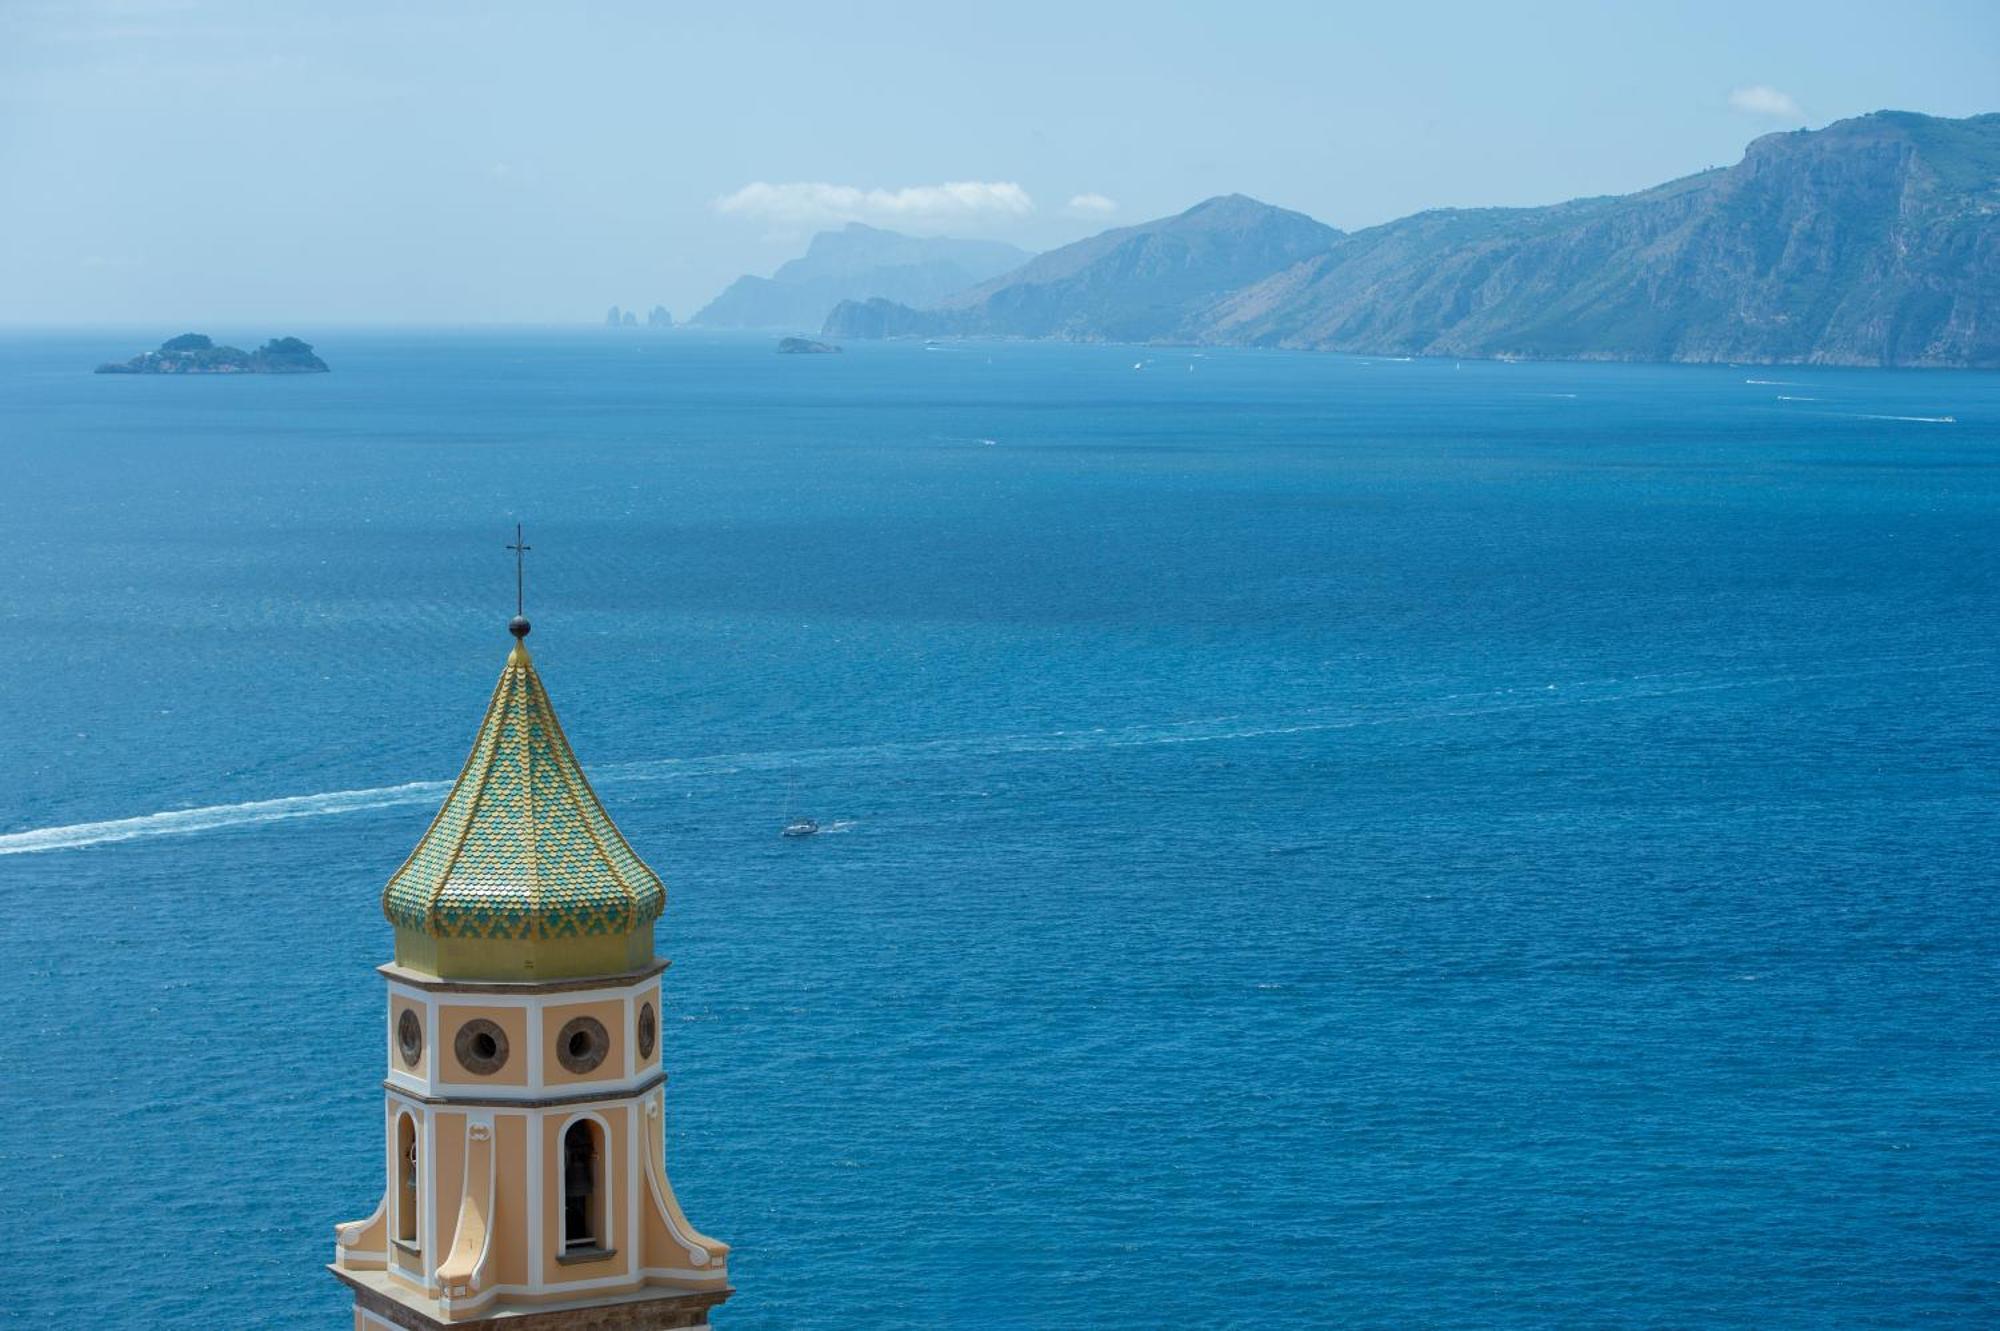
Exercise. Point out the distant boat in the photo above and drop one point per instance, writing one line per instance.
(796, 824)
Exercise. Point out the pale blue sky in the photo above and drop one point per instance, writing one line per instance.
(207, 164)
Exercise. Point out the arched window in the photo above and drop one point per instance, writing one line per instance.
(583, 1187)
(406, 1179)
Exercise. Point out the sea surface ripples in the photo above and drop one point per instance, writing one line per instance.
(1315, 842)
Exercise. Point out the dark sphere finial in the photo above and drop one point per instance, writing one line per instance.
(519, 626)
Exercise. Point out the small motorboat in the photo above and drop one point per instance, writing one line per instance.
(800, 827)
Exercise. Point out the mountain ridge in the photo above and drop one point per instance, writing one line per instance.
(1870, 241)
(1113, 286)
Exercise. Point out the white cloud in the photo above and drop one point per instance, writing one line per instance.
(1762, 100)
(810, 203)
(1092, 205)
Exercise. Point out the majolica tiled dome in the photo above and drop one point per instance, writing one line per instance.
(521, 848)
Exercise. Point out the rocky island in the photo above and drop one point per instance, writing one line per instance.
(804, 346)
(195, 353)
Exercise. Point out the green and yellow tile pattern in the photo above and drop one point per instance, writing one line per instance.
(521, 848)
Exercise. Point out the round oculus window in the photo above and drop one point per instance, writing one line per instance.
(582, 1044)
(410, 1037)
(481, 1047)
(649, 1030)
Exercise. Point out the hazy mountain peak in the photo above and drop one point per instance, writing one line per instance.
(1229, 208)
(857, 262)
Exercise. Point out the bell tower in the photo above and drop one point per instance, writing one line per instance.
(524, 1180)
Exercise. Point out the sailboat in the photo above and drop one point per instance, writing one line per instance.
(796, 824)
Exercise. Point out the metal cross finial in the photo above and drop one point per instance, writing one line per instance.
(520, 548)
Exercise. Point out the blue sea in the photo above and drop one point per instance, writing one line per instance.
(1311, 841)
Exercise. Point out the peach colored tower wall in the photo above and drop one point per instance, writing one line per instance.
(485, 1209)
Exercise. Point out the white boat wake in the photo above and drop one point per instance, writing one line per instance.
(1208, 730)
(179, 822)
